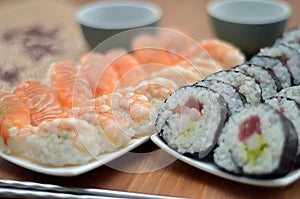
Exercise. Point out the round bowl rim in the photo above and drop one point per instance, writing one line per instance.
(283, 17)
(152, 7)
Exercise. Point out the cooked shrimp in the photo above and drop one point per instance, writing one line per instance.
(13, 113)
(225, 53)
(202, 62)
(71, 87)
(169, 75)
(137, 105)
(217, 52)
(40, 100)
(114, 124)
(197, 68)
(103, 78)
(88, 110)
(158, 87)
(67, 141)
(113, 99)
(141, 113)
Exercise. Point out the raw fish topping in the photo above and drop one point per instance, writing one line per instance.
(249, 127)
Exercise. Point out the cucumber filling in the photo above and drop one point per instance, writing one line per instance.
(253, 148)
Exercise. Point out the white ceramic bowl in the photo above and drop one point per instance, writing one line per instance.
(249, 24)
(101, 20)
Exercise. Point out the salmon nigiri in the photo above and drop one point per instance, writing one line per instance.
(126, 65)
(102, 77)
(148, 49)
(71, 87)
(13, 113)
(40, 100)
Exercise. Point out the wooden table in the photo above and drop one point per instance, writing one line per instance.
(56, 19)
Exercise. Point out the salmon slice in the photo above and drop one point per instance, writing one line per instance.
(121, 60)
(126, 65)
(71, 88)
(102, 77)
(148, 49)
(176, 41)
(40, 100)
(13, 113)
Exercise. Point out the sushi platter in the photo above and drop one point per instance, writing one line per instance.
(96, 126)
(211, 168)
(76, 125)
(68, 171)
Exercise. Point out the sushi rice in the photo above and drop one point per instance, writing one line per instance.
(67, 141)
(291, 38)
(235, 100)
(292, 92)
(257, 141)
(266, 81)
(276, 67)
(291, 109)
(286, 54)
(243, 83)
(191, 118)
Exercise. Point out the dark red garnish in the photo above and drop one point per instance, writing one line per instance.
(194, 103)
(191, 103)
(249, 127)
(283, 58)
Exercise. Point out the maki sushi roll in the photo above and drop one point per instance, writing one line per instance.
(292, 35)
(287, 55)
(291, 38)
(234, 99)
(274, 66)
(292, 92)
(243, 83)
(190, 120)
(290, 109)
(269, 84)
(258, 141)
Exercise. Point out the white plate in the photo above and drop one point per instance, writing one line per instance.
(213, 169)
(74, 170)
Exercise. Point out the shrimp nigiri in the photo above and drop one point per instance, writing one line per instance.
(223, 52)
(114, 124)
(158, 87)
(67, 141)
(99, 112)
(141, 113)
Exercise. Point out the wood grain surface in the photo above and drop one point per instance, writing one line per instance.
(146, 173)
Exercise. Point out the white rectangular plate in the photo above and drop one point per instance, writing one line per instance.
(74, 170)
(210, 167)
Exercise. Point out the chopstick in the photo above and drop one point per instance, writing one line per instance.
(27, 189)
(23, 193)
